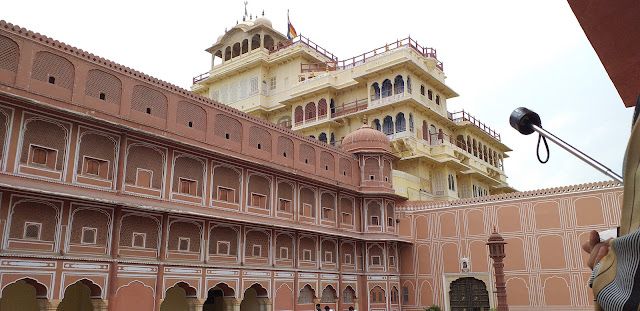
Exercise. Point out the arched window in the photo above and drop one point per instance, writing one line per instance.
(322, 137)
(299, 114)
(401, 124)
(245, 46)
(375, 91)
(310, 111)
(425, 130)
(377, 295)
(328, 295)
(376, 124)
(437, 99)
(430, 94)
(306, 294)
(236, 49)
(422, 90)
(411, 122)
(332, 106)
(409, 84)
(398, 85)
(387, 88)
(332, 141)
(227, 53)
(255, 42)
(452, 182)
(387, 125)
(348, 295)
(433, 133)
(322, 108)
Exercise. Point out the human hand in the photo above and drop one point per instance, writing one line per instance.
(596, 249)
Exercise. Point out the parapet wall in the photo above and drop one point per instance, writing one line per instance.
(77, 80)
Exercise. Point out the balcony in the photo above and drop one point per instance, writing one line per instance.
(463, 116)
(336, 112)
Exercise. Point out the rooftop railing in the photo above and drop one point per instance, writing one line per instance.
(461, 116)
(305, 41)
(335, 64)
(363, 58)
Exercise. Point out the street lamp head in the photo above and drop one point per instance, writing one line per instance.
(496, 245)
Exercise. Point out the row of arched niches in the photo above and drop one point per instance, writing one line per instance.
(62, 72)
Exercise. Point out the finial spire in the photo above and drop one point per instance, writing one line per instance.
(245, 10)
(262, 12)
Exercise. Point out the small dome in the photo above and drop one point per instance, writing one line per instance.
(262, 21)
(366, 139)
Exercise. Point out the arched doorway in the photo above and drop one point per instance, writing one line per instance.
(468, 294)
(253, 297)
(175, 298)
(79, 295)
(216, 296)
(22, 295)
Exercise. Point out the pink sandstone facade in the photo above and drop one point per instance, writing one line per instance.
(119, 191)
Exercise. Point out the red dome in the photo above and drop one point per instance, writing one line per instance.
(366, 139)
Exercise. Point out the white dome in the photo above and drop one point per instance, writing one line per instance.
(263, 21)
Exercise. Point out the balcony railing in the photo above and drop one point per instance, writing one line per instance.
(337, 111)
(304, 41)
(201, 77)
(363, 58)
(461, 116)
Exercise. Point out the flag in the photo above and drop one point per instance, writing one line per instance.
(291, 32)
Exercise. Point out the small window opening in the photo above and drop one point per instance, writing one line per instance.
(226, 135)
(190, 124)
(148, 110)
(103, 96)
(326, 167)
(306, 161)
(52, 80)
(259, 146)
(372, 177)
(344, 173)
(284, 154)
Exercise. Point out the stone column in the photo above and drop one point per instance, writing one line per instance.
(232, 304)
(194, 304)
(265, 304)
(100, 304)
(48, 304)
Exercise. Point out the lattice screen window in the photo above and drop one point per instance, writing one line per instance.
(41, 156)
(347, 219)
(284, 253)
(254, 86)
(32, 230)
(307, 210)
(347, 259)
(226, 194)
(223, 248)
(144, 178)
(89, 235)
(96, 167)
(272, 83)
(9, 55)
(327, 213)
(328, 257)
(258, 200)
(188, 186)
(284, 205)
(184, 244)
(375, 221)
(257, 251)
(306, 255)
(139, 240)
(51, 68)
(375, 261)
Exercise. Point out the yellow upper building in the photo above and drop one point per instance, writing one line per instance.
(398, 89)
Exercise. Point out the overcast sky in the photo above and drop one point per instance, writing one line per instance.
(498, 55)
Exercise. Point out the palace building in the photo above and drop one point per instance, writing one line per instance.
(398, 89)
(119, 191)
